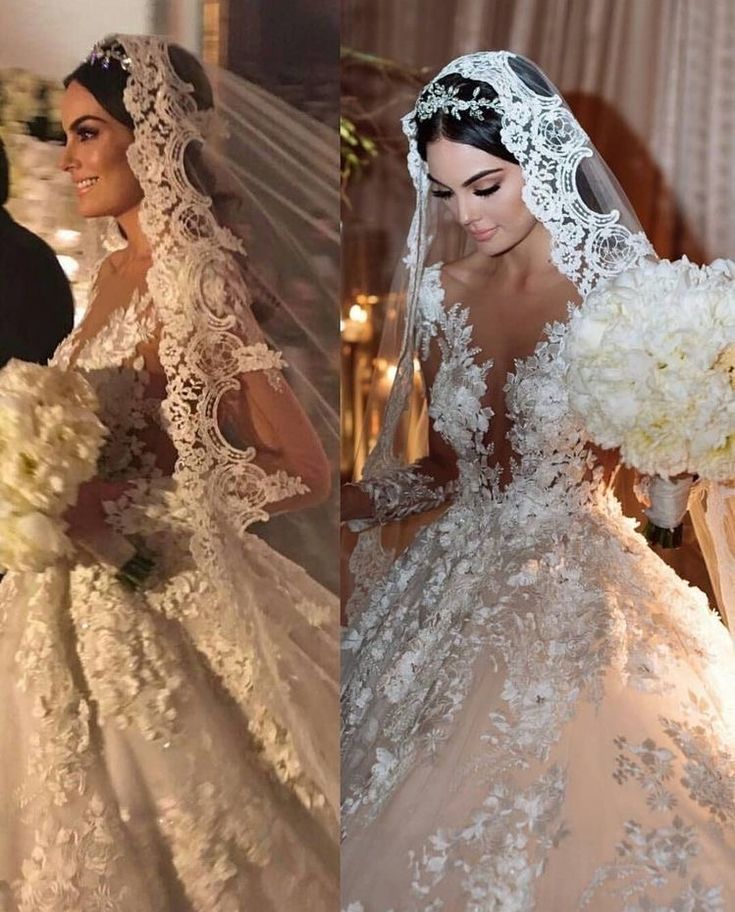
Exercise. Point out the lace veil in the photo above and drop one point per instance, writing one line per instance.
(239, 225)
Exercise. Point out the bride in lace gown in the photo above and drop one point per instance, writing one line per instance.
(538, 713)
(171, 747)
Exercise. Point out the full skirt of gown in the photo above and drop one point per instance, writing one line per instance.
(538, 715)
(140, 768)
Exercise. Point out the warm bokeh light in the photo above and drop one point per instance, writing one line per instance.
(69, 265)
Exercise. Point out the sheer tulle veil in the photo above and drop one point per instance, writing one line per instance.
(241, 211)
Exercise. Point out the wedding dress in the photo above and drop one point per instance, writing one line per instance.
(173, 747)
(538, 713)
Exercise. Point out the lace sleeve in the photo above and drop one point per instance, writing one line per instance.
(264, 415)
(254, 410)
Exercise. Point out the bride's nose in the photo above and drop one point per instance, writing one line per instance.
(66, 160)
(468, 209)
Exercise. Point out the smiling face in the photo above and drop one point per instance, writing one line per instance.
(483, 193)
(95, 156)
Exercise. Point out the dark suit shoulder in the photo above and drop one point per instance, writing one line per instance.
(18, 238)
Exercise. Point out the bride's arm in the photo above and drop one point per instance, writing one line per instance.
(416, 488)
(266, 415)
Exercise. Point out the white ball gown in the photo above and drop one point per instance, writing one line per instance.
(141, 766)
(538, 713)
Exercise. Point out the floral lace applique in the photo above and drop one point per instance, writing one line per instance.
(651, 858)
(72, 868)
(459, 386)
(502, 848)
(59, 749)
(655, 857)
(111, 363)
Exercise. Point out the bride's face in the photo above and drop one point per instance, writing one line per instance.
(482, 192)
(95, 157)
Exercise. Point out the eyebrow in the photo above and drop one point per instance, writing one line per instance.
(81, 119)
(470, 180)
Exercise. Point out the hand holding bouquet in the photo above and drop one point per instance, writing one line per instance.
(50, 440)
(652, 367)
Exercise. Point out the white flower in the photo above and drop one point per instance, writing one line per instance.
(651, 367)
(50, 440)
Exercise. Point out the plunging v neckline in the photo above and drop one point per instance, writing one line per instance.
(550, 327)
(73, 348)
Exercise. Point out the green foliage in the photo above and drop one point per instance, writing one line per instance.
(356, 150)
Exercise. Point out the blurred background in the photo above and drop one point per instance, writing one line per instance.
(651, 81)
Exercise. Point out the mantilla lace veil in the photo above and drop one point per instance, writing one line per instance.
(211, 291)
(595, 235)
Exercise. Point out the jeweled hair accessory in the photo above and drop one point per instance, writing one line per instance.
(438, 97)
(104, 52)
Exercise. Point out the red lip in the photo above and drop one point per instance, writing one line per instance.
(483, 235)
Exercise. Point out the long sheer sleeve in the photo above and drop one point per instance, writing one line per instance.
(265, 414)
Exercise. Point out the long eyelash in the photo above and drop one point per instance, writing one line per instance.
(488, 191)
(445, 194)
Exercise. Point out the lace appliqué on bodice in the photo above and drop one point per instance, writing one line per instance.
(112, 364)
(552, 461)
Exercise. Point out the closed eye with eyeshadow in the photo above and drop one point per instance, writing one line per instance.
(486, 191)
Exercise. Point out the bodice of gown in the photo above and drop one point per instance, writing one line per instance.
(551, 467)
(129, 397)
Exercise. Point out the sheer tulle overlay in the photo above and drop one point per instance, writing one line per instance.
(539, 714)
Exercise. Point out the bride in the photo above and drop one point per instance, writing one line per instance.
(538, 713)
(171, 745)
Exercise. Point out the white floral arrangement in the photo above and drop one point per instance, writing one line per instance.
(651, 367)
(50, 441)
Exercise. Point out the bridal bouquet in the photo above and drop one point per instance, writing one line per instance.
(50, 440)
(651, 359)
(652, 367)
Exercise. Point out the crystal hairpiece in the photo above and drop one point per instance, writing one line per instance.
(438, 97)
(105, 54)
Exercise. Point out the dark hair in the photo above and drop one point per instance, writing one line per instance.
(4, 175)
(468, 129)
(108, 84)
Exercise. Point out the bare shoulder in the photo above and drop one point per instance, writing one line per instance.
(106, 267)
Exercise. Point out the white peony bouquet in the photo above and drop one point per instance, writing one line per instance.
(651, 358)
(50, 440)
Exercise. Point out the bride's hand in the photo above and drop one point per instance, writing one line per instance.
(87, 518)
(354, 503)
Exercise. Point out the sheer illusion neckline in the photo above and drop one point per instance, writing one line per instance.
(550, 328)
(74, 348)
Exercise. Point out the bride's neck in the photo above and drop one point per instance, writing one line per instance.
(138, 249)
(529, 261)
